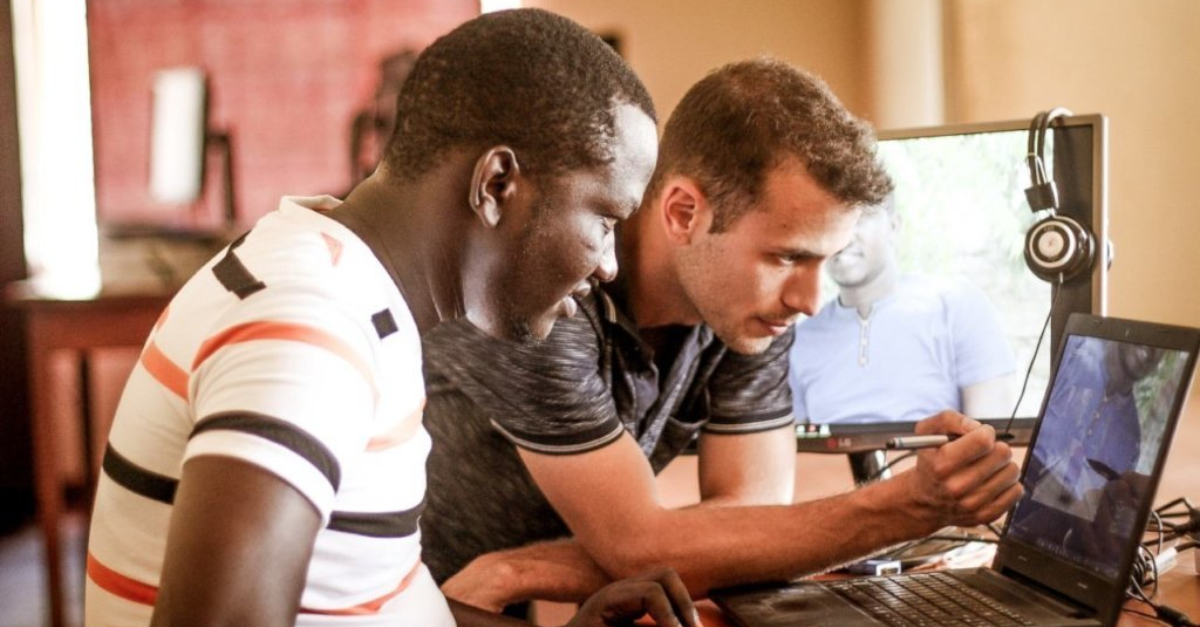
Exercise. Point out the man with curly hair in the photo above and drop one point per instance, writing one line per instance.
(760, 179)
(267, 461)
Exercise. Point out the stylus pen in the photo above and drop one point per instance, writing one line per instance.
(912, 442)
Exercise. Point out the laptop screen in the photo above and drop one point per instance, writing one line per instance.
(1091, 470)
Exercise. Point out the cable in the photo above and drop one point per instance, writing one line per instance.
(1166, 614)
(1145, 570)
(1167, 530)
(1032, 360)
(888, 466)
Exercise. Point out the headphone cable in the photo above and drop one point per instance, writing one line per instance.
(1007, 433)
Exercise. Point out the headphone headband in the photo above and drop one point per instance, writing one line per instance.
(1042, 193)
(1057, 248)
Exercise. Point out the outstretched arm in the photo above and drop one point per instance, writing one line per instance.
(609, 500)
(750, 469)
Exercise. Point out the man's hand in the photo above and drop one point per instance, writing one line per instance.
(484, 584)
(661, 594)
(970, 481)
(495, 580)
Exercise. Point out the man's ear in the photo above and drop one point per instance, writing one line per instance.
(684, 209)
(493, 183)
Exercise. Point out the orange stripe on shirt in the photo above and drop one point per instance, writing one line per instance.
(400, 433)
(132, 590)
(373, 606)
(335, 248)
(252, 331)
(118, 584)
(164, 370)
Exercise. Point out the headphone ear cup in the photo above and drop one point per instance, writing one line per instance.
(1059, 248)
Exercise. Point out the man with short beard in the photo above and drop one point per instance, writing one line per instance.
(266, 465)
(542, 477)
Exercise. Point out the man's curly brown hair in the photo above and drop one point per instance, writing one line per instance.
(734, 126)
(526, 78)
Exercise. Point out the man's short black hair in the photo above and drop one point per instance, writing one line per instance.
(734, 126)
(526, 78)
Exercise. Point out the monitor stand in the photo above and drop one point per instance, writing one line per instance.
(868, 466)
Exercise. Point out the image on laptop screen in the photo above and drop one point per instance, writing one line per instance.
(1102, 433)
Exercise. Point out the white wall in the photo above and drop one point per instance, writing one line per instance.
(674, 43)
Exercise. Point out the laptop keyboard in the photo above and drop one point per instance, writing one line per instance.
(926, 600)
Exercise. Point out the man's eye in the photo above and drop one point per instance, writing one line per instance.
(791, 259)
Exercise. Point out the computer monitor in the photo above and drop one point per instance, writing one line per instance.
(960, 193)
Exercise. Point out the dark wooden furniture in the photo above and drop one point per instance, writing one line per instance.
(77, 328)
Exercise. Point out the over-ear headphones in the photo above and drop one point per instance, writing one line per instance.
(1057, 248)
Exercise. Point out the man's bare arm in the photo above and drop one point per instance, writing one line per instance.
(559, 570)
(229, 519)
(609, 500)
(750, 469)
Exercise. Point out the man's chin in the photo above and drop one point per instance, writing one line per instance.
(526, 331)
(745, 345)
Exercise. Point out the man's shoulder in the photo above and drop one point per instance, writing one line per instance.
(459, 350)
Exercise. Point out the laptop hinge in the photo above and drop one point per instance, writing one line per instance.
(1065, 605)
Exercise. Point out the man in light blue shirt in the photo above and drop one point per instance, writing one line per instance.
(898, 347)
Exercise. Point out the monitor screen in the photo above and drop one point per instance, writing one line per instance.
(932, 305)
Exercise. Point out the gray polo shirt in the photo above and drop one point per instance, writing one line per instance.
(594, 378)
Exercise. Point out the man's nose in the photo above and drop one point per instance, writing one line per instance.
(606, 270)
(802, 291)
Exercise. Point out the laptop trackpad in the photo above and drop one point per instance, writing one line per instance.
(797, 604)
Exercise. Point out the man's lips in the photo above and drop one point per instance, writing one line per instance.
(776, 327)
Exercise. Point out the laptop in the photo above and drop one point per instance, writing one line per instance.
(1065, 554)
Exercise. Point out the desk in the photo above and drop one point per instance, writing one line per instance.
(824, 475)
(76, 327)
(1180, 589)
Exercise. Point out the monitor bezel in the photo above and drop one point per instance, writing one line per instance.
(1086, 202)
(1096, 218)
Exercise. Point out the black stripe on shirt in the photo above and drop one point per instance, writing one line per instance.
(586, 440)
(233, 274)
(785, 419)
(385, 324)
(752, 419)
(138, 480)
(378, 524)
(280, 432)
